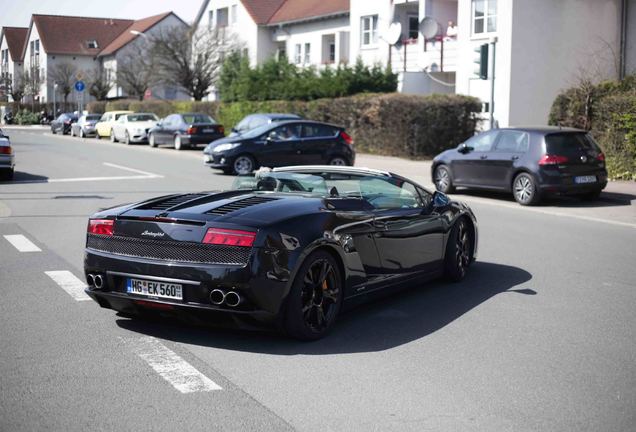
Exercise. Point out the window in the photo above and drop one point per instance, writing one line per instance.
(369, 28)
(285, 133)
(307, 59)
(210, 19)
(512, 141)
(482, 142)
(332, 52)
(282, 50)
(319, 131)
(221, 17)
(484, 16)
(234, 12)
(92, 44)
(298, 54)
(414, 25)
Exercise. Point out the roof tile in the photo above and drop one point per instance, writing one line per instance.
(295, 10)
(16, 37)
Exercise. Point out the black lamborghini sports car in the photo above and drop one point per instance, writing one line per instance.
(287, 248)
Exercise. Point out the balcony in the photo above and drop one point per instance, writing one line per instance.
(434, 55)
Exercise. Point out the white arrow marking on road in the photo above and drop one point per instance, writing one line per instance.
(181, 374)
(22, 243)
(69, 283)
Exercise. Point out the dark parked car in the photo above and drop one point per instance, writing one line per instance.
(7, 157)
(62, 124)
(85, 126)
(185, 130)
(284, 143)
(529, 162)
(288, 248)
(253, 121)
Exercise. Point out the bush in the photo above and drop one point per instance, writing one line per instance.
(26, 117)
(608, 111)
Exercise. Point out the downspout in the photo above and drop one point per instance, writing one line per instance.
(623, 41)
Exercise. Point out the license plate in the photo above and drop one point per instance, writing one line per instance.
(585, 179)
(207, 158)
(154, 289)
(208, 131)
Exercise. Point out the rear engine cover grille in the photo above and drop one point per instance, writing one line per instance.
(170, 202)
(169, 250)
(240, 204)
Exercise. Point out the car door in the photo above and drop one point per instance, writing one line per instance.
(316, 141)
(409, 233)
(501, 162)
(468, 166)
(164, 130)
(119, 127)
(278, 146)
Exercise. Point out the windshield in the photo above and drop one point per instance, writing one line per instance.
(197, 118)
(142, 117)
(380, 191)
(258, 131)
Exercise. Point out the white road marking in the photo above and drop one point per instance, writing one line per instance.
(69, 283)
(142, 175)
(22, 243)
(181, 374)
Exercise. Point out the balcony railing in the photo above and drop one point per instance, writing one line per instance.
(434, 55)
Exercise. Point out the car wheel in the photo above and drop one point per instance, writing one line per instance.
(243, 165)
(315, 298)
(151, 140)
(525, 190)
(442, 180)
(459, 251)
(112, 136)
(6, 174)
(591, 196)
(127, 138)
(178, 144)
(52, 130)
(338, 161)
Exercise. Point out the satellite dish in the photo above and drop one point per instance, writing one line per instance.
(394, 33)
(429, 27)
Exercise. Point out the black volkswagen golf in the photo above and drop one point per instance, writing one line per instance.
(281, 144)
(530, 162)
(285, 249)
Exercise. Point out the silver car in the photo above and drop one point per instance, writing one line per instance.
(7, 158)
(85, 126)
(133, 128)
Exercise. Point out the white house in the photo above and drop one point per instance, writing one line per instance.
(11, 44)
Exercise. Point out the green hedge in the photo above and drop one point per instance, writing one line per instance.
(388, 124)
(608, 111)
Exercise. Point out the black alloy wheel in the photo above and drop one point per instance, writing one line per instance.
(525, 190)
(459, 251)
(338, 161)
(243, 165)
(442, 180)
(315, 298)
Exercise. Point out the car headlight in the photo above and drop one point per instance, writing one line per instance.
(225, 147)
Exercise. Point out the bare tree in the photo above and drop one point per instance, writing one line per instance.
(32, 80)
(18, 87)
(136, 70)
(99, 83)
(64, 75)
(192, 61)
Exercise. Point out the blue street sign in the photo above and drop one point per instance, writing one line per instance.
(80, 86)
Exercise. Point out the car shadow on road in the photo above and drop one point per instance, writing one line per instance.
(607, 199)
(383, 324)
(23, 177)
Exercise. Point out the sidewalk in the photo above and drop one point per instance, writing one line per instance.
(24, 127)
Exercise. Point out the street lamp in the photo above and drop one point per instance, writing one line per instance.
(54, 103)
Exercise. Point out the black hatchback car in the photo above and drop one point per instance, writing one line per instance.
(278, 144)
(62, 124)
(530, 162)
(185, 130)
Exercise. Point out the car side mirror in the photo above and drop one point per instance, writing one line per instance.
(463, 148)
(440, 199)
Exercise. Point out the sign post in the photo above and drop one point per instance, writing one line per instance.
(79, 87)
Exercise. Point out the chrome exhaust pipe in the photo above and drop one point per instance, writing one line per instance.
(217, 297)
(99, 281)
(232, 299)
(90, 279)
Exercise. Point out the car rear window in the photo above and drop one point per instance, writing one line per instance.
(568, 143)
(93, 117)
(318, 131)
(197, 118)
(141, 117)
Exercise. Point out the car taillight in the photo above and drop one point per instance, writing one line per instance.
(229, 237)
(552, 160)
(220, 129)
(600, 157)
(346, 137)
(101, 226)
(6, 150)
(192, 130)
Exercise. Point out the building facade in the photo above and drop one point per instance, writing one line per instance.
(11, 61)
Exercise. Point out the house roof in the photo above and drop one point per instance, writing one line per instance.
(16, 37)
(301, 10)
(262, 10)
(126, 36)
(70, 35)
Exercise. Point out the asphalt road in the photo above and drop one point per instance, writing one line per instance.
(539, 336)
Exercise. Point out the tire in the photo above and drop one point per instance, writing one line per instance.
(591, 196)
(243, 165)
(151, 140)
(53, 131)
(7, 174)
(315, 298)
(459, 250)
(178, 145)
(112, 136)
(442, 179)
(126, 138)
(338, 161)
(525, 190)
